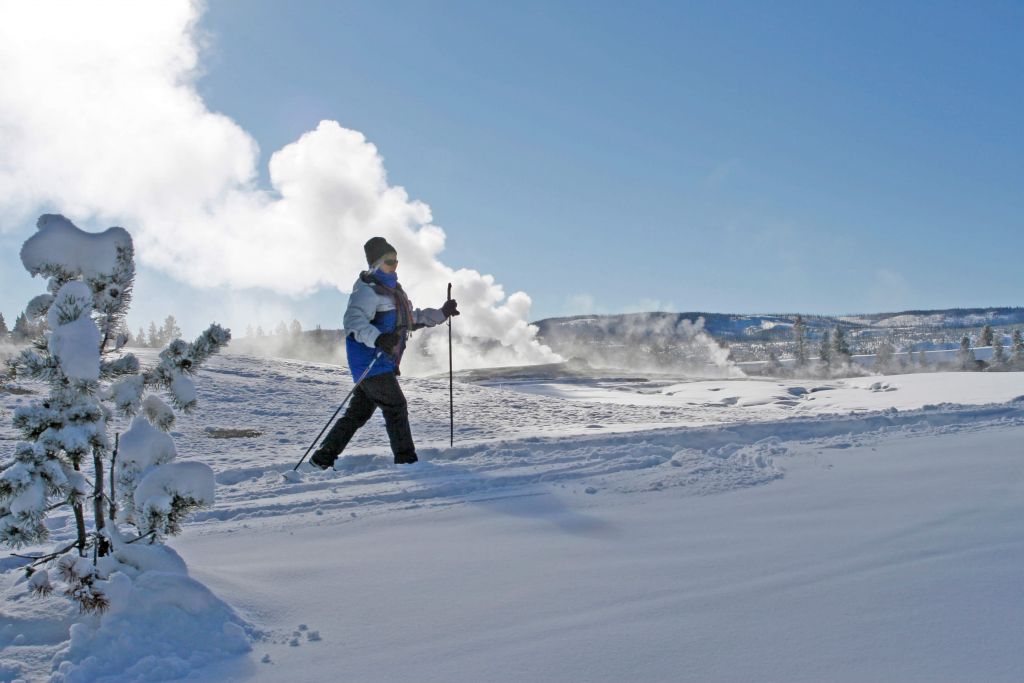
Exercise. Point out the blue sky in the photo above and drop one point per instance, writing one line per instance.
(717, 156)
(606, 157)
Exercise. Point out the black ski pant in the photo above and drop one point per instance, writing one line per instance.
(379, 391)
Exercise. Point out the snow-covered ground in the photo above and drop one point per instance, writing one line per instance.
(598, 529)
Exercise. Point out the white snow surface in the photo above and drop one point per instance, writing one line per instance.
(127, 392)
(60, 242)
(77, 347)
(582, 529)
(162, 626)
(184, 390)
(75, 339)
(143, 558)
(192, 480)
(144, 446)
(158, 412)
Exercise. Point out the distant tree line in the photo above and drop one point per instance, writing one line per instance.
(834, 352)
(282, 330)
(156, 337)
(24, 330)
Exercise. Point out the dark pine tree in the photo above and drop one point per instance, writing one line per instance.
(839, 344)
(800, 338)
(965, 354)
(22, 331)
(998, 350)
(986, 336)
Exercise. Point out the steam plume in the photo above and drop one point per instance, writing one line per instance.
(100, 117)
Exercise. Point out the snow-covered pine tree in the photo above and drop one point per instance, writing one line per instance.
(89, 287)
(986, 336)
(249, 332)
(169, 331)
(259, 331)
(998, 350)
(153, 339)
(22, 331)
(965, 354)
(152, 491)
(295, 328)
(839, 354)
(60, 432)
(839, 344)
(281, 330)
(884, 355)
(800, 340)
(1018, 347)
(825, 350)
(4, 332)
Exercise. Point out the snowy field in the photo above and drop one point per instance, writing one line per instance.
(590, 529)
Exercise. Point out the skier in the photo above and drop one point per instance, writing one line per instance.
(378, 319)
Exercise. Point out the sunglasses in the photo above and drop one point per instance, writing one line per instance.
(390, 262)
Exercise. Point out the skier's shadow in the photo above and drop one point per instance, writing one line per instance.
(528, 500)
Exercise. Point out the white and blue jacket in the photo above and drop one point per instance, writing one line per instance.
(378, 304)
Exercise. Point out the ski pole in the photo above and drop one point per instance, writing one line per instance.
(451, 389)
(329, 422)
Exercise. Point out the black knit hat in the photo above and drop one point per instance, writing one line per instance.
(375, 249)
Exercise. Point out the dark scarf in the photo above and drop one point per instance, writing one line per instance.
(387, 285)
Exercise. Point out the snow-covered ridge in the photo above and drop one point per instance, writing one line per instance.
(739, 326)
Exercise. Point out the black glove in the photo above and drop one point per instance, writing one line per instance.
(387, 341)
(450, 308)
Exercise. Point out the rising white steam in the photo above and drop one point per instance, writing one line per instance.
(100, 118)
(662, 343)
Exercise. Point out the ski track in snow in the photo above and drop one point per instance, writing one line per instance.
(257, 416)
(701, 460)
(515, 443)
(511, 443)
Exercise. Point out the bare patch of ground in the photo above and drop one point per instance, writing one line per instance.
(224, 433)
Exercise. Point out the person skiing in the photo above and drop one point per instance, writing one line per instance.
(378, 319)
